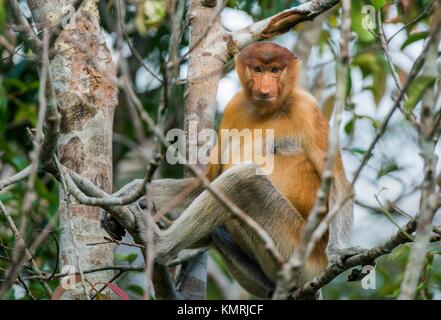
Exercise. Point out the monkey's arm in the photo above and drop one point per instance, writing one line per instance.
(214, 167)
(340, 226)
(338, 248)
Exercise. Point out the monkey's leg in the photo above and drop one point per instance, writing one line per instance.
(256, 196)
(162, 193)
(243, 268)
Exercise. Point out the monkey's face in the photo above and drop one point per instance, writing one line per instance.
(264, 83)
(267, 73)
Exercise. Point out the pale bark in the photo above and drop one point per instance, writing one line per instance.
(80, 70)
(204, 73)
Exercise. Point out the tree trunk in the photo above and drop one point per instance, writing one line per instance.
(83, 76)
(204, 73)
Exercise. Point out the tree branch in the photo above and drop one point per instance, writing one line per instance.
(428, 205)
(277, 24)
(23, 24)
(366, 258)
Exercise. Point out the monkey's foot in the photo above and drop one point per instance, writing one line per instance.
(111, 226)
(338, 256)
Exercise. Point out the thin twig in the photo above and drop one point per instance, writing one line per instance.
(14, 270)
(21, 21)
(412, 75)
(412, 22)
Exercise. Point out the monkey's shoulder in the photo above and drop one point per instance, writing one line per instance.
(236, 110)
(303, 101)
(305, 111)
(237, 103)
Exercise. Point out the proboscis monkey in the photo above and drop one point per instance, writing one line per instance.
(280, 200)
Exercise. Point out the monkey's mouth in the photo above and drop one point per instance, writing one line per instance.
(264, 99)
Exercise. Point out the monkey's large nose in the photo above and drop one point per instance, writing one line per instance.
(264, 91)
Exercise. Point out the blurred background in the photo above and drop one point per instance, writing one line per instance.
(392, 175)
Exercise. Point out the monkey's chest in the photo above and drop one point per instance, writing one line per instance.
(294, 174)
(296, 178)
(284, 162)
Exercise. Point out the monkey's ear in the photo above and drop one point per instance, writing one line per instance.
(293, 70)
(242, 71)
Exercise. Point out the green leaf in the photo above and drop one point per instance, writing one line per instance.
(101, 296)
(138, 290)
(421, 286)
(2, 15)
(416, 91)
(375, 123)
(323, 40)
(378, 4)
(365, 61)
(14, 83)
(350, 126)
(333, 20)
(414, 38)
(5, 197)
(379, 85)
(26, 112)
(399, 252)
(391, 167)
(149, 14)
(349, 83)
(357, 150)
(372, 64)
(357, 22)
(131, 257)
(350, 106)
(19, 162)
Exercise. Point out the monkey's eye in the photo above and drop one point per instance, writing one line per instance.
(257, 69)
(275, 70)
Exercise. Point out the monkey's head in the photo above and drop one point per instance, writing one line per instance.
(268, 73)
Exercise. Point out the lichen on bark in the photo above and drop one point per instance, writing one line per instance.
(83, 76)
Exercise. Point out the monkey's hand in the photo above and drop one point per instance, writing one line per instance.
(116, 230)
(339, 255)
(112, 227)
